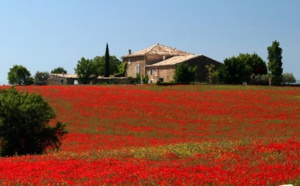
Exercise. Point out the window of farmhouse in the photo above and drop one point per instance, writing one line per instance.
(151, 71)
(137, 69)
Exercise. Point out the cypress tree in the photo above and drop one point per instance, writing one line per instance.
(106, 68)
(275, 63)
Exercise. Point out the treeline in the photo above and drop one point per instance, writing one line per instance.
(241, 69)
(86, 69)
(252, 69)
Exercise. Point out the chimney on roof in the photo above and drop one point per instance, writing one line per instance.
(129, 51)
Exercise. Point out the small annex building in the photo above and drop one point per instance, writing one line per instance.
(159, 63)
(71, 79)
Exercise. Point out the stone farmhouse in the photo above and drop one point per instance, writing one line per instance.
(159, 63)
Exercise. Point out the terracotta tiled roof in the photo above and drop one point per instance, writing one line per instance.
(174, 60)
(159, 50)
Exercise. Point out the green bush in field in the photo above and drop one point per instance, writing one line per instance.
(24, 125)
(184, 74)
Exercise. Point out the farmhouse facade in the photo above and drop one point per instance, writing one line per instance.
(159, 63)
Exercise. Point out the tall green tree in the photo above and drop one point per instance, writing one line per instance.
(89, 69)
(121, 70)
(41, 78)
(106, 69)
(240, 69)
(19, 75)
(257, 64)
(184, 73)
(275, 63)
(99, 63)
(24, 125)
(59, 70)
(85, 70)
(234, 71)
(114, 63)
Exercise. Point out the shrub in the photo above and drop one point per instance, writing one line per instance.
(132, 80)
(259, 79)
(213, 74)
(184, 73)
(24, 125)
(145, 79)
(138, 78)
(288, 78)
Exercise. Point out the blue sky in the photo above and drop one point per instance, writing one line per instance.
(43, 35)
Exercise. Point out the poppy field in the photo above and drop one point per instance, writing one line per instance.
(166, 135)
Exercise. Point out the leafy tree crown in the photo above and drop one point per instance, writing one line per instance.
(24, 125)
(19, 75)
(59, 70)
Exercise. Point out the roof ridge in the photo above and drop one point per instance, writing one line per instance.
(163, 47)
(159, 49)
(151, 48)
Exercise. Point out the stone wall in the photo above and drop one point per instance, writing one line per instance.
(113, 80)
(57, 80)
(152, 59)
(132, 65)
(166, 73)
(161, 73)
(201, 62)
